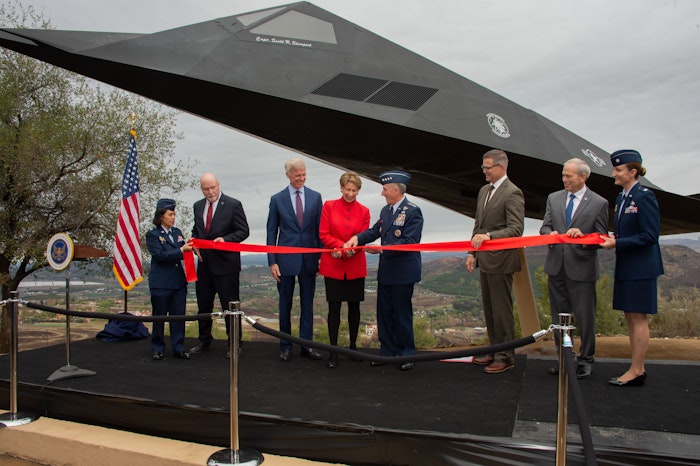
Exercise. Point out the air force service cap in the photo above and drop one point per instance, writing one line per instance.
(168, 204)
(620, 157)
(394, 176)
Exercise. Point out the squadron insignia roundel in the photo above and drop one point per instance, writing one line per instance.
(498, 125)
(591, 155)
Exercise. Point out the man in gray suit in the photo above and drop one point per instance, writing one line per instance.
(572, 269)
(500, 213)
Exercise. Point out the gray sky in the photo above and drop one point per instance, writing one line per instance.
(622, 74)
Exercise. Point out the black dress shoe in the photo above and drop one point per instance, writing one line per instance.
(200, 348)
(407, 366)
(157, 356)
(635, 382)
(554, 370)
(376, 364)
(181, 355)
(285, 355)
(332, 361)
(584, 371)
(311, 354)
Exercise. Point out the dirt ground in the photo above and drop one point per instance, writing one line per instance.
(687, 349)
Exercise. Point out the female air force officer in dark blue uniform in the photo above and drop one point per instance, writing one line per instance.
(637, 258)
(166, 279)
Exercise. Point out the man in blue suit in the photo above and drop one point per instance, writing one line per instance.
(166, 280)
(293, 220)
(400, 222)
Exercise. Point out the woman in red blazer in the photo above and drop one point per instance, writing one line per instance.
(344, 273)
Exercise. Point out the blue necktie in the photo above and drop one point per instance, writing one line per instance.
(570, 209)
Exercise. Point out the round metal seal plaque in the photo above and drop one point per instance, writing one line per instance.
(59, 252)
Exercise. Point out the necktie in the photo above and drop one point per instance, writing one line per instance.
(570, 209)
(170, 236)
(210, 212)
(488, 196)
(300, 209)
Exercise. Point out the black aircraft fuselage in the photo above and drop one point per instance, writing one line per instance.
(303, 78)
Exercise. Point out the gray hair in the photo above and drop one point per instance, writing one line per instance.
(582, 167)
(294, 164)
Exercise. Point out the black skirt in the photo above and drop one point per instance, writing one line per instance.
(345, 290)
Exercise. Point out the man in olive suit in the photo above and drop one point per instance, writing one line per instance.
(500, 213)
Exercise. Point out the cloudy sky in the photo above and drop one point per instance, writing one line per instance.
(622, 74)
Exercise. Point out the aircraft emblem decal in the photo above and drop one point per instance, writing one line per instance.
(498, 125)
(591, 155)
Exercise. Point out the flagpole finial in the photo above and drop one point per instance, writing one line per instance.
(132, 119)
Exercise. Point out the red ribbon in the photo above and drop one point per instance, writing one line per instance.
(190, 270)
(489, 245)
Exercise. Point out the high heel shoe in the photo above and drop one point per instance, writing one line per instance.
(635, 382)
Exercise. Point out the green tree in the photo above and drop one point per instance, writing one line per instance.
(544, 312)
(421, 333)
(63, 144)
(607, 320)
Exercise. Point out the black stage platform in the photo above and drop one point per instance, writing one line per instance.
(440, 413)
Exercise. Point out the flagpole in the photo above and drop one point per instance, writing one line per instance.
(127, 243)
(131, 119)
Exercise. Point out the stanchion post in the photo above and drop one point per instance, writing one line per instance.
(234, 455)
(14, 417)
(563, 398)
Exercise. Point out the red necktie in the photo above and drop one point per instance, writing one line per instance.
(210, 212)
(300, 209)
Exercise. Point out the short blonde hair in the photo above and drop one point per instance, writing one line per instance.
(350, 177)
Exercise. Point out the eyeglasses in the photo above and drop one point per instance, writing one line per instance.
(484, 167)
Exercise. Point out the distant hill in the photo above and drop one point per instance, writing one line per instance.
(681, 265)
(693, 244)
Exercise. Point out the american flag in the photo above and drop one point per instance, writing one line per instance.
(127, 246)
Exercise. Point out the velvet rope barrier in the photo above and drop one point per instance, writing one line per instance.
(419, 357)
(451, 246)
